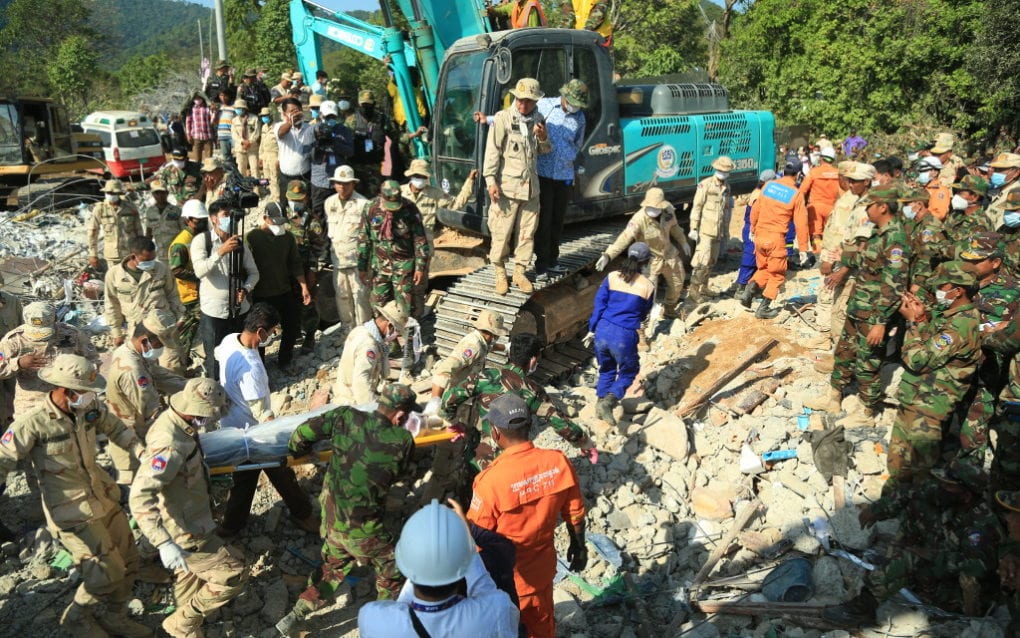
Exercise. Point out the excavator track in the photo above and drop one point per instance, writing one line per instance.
(457, 311)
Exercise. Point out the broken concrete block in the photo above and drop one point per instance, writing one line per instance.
(636, 405)
(569, 614)
(665, 432)
(828, 579)
(711, 503)
(618, 520)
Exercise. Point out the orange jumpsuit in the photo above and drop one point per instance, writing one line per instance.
(939, 197)
(522, 495)
(821, 190)
(778, 203)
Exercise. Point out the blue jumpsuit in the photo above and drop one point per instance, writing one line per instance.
(748, 264)
(615, 320)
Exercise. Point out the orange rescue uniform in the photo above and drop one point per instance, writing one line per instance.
(522, 495)
(939, 198)
(821, 190)
(778, 203)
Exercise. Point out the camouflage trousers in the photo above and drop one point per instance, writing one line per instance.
(915, 444)
(370, 176)
(394, 283)
(105, 551)
(855, 360)
(189, 328)
(1006, 456)
(346, 546)
(216, 574)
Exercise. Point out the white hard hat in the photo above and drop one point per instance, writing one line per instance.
(195, 209)
(435, 547)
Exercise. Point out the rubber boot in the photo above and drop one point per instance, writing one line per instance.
(738, 292)
(78, 620)
(830, 402)
(502, 287)
(862, 418)
(765, 310)
(604, 409)
(186, 622)
(115, 620)
(747, 297)
(521, 280)
(694, 294)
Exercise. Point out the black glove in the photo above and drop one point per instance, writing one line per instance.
(577, 554)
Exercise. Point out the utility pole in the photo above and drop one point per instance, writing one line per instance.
(221, 29)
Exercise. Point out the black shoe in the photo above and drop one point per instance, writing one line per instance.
(557, 269)
(765, 311)
(747, 296)
(604, 409)
(738, 292)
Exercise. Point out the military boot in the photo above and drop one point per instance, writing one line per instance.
(830, 402)
(765, 310)
(747, 297)
(115, 620)
(694, 293)
(604, 409)
(861, 418)
(186, 622)
(738, 291)
(521, 280)
(78, 620)
(502, 287)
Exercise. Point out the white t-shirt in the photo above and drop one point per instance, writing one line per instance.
(243, 376)
(295, 148)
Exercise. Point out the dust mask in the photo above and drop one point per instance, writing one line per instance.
(419, 182)
(652, 212)
(572, 109)
(146, 265)
(112, 198)
(721, 175)
(276, 229)
(152, 354)
(875, 183)
(942, 299)
(83, 399)
(923, 179)
(959, 203)
(177, 163)
(909, 212)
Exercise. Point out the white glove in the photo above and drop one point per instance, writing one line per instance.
(803, 258)
(693, 235)
(172, 556)
(432, 407)
(601, 264)
(588, 339)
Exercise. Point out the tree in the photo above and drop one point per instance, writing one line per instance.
(32, 31)
(273, 39)
(676, 28)
(73, 72)
(998, 64)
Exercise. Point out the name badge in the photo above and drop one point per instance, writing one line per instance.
(779, 192)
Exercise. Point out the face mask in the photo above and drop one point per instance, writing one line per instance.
(909, 212)
(721, 176)
(297, 207)
(652, 212)
(146, 265)
(225, 223)
(419, 182)
(276, 230)
(152, 353)
(572, 109)
(959, 203)
(315, 113)
(1011, 219)
(83, 399)
(391, 336)
(997, 179)
(265, 119)
(200, 422)
(331, 121)
(875, 183)
(110, 197)
(178, 163)
(533, 367)
(238, 111)
(199, 102)
(942, 300)
(923, 179)
(344, 105)
(268, 340)
(201, 225)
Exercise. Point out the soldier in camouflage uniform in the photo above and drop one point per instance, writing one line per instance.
(1009, 554)
(371, 451)
(370, 126)
(880, 268)
(310, 233)
(392, 248)
(1010, 230)
(963, 223)
(10, 318)
(479, 391)
(119, 221)
(162, 221)
(180, 176)
(926, 236)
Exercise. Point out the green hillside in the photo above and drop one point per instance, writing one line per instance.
(132, 28)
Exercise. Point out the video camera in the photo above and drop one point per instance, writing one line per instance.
(240, 190)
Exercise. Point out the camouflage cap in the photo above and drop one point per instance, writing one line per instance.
(250, 73)
(955, 272)
(390, 195)
(1012, 200)
(39, 318)
(983, 245)
(297, 190)
(881, 195)
(1008, 499)
(974, 184)
(200, 397)
(914, 195)
(366, 97)
(398, 396)
(944, 143)
(73, 371)
(157, 187)
(509, 412)
(161, 322)
(575, 92)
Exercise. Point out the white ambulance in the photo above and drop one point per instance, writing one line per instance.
(131, 142)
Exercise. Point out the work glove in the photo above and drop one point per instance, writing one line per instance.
(803, 258)
(590, 452)
(693, 235)
(577, 554)
(172, 556)
(601, 264)
(458, 431)
(588, 339)
(432, 407)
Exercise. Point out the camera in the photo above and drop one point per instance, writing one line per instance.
(239, 191)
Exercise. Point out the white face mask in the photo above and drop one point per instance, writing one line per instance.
(570, 108)
(534, 366)
(909, 212)
(344, 105)
(721, 176)
(146, 265)
(177, 163)
(942, 300)
(923, 179)
(652, 212)
(959, 203)
(391, 335)
(269, 340)
(875, 183)
(111, 198)
(276, 230)
(152, 353)
(83, 399)
(419, 182)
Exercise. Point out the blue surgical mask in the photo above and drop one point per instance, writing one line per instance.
(315, 112)
(225, 223)
(923, 179)
(997, 179)
(1011, 219)
(265, 119)
(81, 400)
(146, 265)
(909, 212)
(152, 354)
(239, 111)
(344, 105)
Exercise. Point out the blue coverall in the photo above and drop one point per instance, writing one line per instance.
(615, 320)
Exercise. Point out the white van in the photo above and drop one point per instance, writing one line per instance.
(130, 142)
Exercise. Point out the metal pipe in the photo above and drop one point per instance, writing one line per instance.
(221, 29)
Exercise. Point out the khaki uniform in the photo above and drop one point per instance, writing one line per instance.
(246, 133)
(996, 208)
(269, 155)
(133, 389)
(947, 176)
(663, 236)
(838, 232)
(710, 216)
(344, 220)
(31, 389)
(170, 502)
(131, 299)
(466, 359)
(511, 162)
(363, 365)
(119, 224)
(162, 226)
(10, 318)
(79, 498)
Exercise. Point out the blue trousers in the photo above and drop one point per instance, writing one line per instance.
(748, 264)
(617, 356)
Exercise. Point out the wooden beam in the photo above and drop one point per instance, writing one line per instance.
(725, 379)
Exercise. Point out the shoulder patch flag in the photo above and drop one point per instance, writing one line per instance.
(159, 463)
(7, 437)
(468, 353)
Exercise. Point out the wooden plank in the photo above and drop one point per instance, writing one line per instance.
(743, 517)
(725, 379)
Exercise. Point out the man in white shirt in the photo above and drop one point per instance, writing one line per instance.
(211, 257)
(244, 378)
(437, 554)
(296, 140)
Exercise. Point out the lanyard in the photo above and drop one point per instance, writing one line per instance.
(443, 606)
